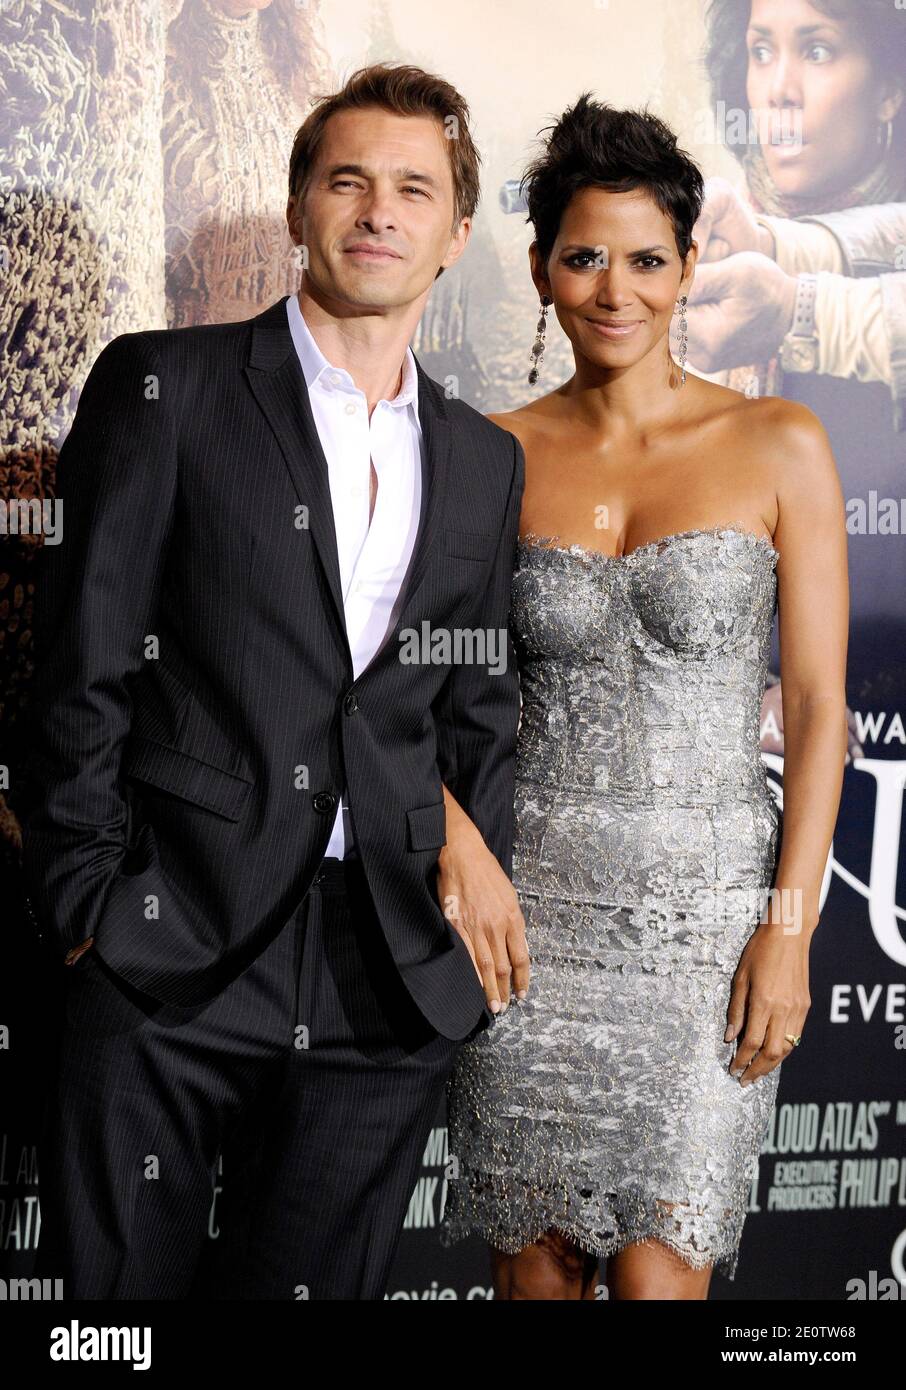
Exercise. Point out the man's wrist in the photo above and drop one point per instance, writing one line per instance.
(459, 824)
(462, 833)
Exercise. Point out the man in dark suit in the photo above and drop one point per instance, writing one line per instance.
(241, 786)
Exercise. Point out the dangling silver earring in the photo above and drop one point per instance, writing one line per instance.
(538, 345)
(681, 306)
(887, 138)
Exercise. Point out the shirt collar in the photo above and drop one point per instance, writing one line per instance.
(316, 368)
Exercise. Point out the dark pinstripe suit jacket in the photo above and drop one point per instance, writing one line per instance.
(195, 712)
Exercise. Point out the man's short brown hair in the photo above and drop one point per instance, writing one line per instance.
(406, 91)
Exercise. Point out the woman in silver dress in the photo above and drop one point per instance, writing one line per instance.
(618, 1107)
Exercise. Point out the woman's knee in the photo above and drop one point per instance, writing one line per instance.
(553, 1267)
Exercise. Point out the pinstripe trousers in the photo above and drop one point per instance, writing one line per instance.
(313, 1073)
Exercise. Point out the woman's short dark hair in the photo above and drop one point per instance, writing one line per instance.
(882, 29)
(593, 145)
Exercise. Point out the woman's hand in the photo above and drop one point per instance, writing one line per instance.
(480, 903)
(739, 311)
(769, 997)
(727, 224)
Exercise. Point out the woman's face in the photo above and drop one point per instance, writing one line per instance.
(816, 97)
(614, 274)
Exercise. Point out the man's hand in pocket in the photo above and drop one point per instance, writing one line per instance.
(72, 956)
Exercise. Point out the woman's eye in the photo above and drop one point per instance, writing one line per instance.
(654, 261)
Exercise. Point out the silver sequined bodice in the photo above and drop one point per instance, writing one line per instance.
(642, 675)
(645, 839)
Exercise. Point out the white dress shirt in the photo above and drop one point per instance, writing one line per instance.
(373, 557)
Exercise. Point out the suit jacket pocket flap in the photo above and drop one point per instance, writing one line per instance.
(427, 826)
(471, 545)
(171, 770)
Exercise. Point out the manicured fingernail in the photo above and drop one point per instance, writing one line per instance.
(728, 1036)
(522, 994)
(495, 1007)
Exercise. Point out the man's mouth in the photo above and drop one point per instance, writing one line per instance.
(375, 253)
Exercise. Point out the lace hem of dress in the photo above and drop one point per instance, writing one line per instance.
(698, 1239)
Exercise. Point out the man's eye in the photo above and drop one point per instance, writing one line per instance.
(410, 188)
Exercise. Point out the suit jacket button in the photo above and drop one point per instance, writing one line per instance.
(351, 703)
(324, 801)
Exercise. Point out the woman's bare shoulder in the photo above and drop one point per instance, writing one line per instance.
(767, 431)
(789, 449)
(766, 414)
(785, 435)
(525, 421)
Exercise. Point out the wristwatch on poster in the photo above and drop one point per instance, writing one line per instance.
(799, 349)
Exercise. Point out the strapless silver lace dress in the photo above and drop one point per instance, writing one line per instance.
(645, 841)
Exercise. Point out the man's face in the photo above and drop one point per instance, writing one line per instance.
(377, 213)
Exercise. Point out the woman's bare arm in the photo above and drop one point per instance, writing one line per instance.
(770, 995)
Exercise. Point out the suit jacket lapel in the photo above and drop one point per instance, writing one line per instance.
(275, 376)
(277, 381)
(435, 455)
